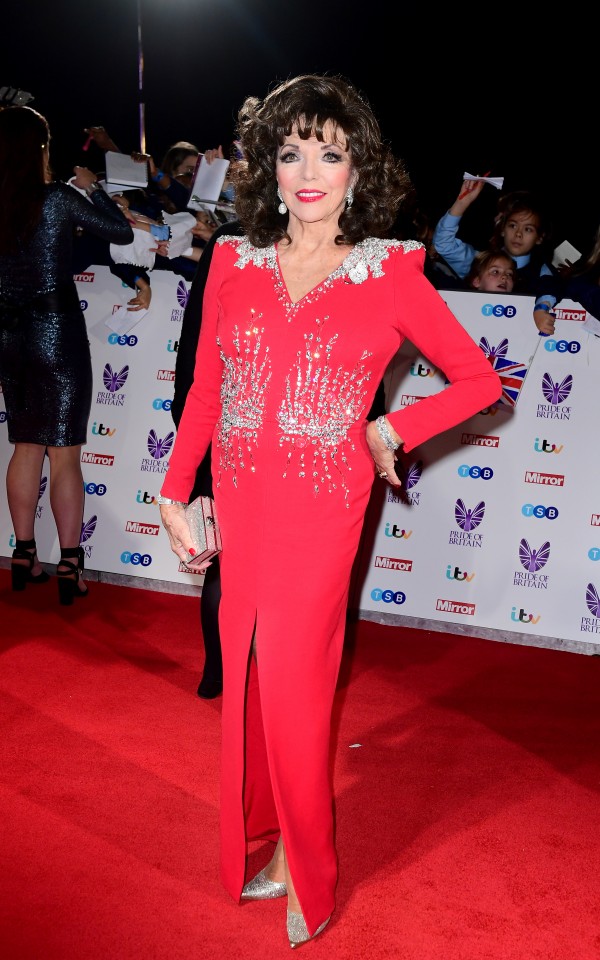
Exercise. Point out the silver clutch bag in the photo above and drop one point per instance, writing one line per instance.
(204, 528)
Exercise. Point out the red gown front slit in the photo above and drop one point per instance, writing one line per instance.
(282, 390)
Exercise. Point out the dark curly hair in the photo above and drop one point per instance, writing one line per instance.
(310, 102)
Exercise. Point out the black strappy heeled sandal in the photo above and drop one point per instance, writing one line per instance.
(68, 579)
(21, 574)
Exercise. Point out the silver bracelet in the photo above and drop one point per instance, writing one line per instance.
(174, 503)
(384, 433)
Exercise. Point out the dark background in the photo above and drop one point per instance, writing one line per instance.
(454, 89)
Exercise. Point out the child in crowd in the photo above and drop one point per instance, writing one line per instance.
(492, 271)
(521, 229)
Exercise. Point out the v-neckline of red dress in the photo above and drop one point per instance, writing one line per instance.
(318, 288)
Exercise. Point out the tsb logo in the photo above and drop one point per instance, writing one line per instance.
(476, 473)
(136, 559)
(96, 488)
(498, 310)
(562, 346)
(122, 340)
(387, 596)
(540, 512)
(159, 404)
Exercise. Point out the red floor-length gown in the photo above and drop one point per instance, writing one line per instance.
(282, 390)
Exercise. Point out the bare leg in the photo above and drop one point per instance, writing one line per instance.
(66, 493)
(276, 868)
(67, 496)
(278, 871)
(293, 902)
(23, 490)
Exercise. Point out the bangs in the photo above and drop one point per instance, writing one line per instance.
(322, 126)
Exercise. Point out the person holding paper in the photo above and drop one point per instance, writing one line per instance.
(521, 228)
(169, 185)
(580, 281)
(301, 316)
(45, 362)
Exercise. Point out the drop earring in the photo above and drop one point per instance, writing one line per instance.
(282, 207)
(349, 197)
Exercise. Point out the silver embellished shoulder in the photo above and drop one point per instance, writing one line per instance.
(368, 256)
(364, 260)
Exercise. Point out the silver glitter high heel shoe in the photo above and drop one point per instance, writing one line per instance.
(297, 932)
(261, 888)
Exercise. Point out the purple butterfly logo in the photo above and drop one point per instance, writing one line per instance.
(468, 519)
(182, 294)
(43, 485)
(492, 352)
(114, 381)
(158, 448)
(531, 559)
(413, 474)
(556, 392)
(88, 529)
(592, 599)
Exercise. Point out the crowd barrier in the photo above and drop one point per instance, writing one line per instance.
(496, 531)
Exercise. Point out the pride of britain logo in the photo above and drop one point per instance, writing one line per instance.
(592, 599)
(114, 381)
(492, 352)
(406, 493)
(87, 530)
(533, 559)
(158, 448)
(39, 508)
(555, 392)
(182, 294)
(467, 520)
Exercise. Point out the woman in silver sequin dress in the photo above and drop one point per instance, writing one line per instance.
(45, 364)
(301, 317)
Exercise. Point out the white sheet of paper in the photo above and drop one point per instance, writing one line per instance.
(591, 324)
(563, 252)
(497, 182)
(208, 183)
(112, 188)
(124, 320)
(181, 232)
(121, 169)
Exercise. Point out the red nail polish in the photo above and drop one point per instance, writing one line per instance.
(192, 551)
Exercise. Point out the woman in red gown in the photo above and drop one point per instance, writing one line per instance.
(301, 317)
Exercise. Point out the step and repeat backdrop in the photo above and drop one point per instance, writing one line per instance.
(498, 522)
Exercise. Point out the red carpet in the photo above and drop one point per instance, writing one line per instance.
(466, 771)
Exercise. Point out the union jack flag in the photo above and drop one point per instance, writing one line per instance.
(512, 376)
